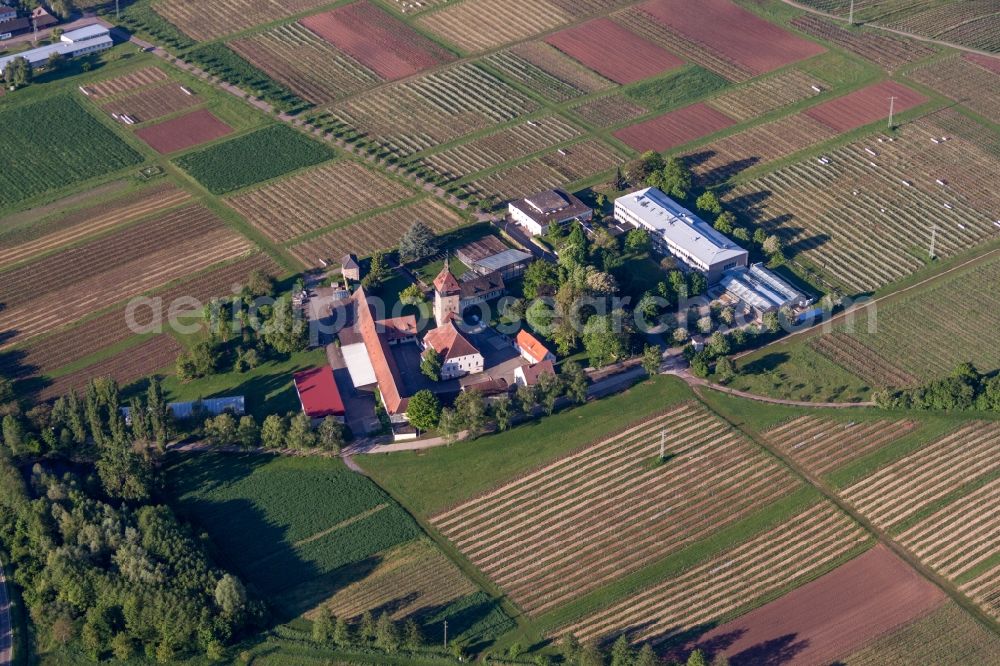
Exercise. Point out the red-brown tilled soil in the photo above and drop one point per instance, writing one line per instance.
(614, 52)
(185, 131)
(674, 128)
(831, 617)
(987, 62)
(865, 106)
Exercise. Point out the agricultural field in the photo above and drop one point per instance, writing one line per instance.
(869, 213)
(947, 636)
(865, 106)
(48, 353)
(959, 543)
(823, 445)
(674, 128)
(583, 520)
(495, 149)
(304, 63)
(555, 168)
(125, 83)
(237, 163)
(884, 50)
(378, 232)
(865, 362)
(34, 160)
(609, 111)
(784, 556)
(964, 80)
(317, 198)
(767, 94)
(724, 158)
(128, 366)
(676, 89)
(111, 268)
(152, 102)
(183, 132)
(296, 530)
(205, 23)
(377, 40)
(896, 494)
(840, 612)
(409, 579)
(633, 59)
(441, 107)
(547, 72)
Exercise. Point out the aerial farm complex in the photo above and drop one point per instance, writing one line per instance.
(551, 332)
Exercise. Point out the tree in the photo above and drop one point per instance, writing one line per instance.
(725, 222)
(725, 369)
(741, 234)
(704, 324)
(709, 203)
(230, 595)
(718, 344)
(637, 241)
(651, 360)
(646, 656)
(697, 658)
(601, 200)
(569, 648)
(366, 626)
(575, 382)
(124, 473)
(771, 245)
(621, 652)
(412, 635)
(286, 331)
(638, 170)
(450, 424)
(417, 243)
(471, 409)
(61, 8)
(13, 434)
(424, 410)
(323, 625)
(342, 633)
(541, 278)
(330, 435)
(378, 271)
(386, 633)
(55, 61)
(699, 365)
(503, 412)
(550, 388)
(771, 322)
(17, 73)
(430, 364)
(576, 248)
(759, 236)
(412, 295)
(527, 398)
(247, 432)
(605, 339)
(681, 335)
(590, 654)
(272, 432)
(259, 283)
(676, 179)
(300, 435)
(222, 430)
(697, 284)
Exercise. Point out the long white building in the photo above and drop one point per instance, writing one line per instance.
(72, 44)
(679, 232)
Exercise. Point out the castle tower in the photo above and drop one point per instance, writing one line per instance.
(447, 296)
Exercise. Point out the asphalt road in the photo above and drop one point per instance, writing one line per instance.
(6, 633)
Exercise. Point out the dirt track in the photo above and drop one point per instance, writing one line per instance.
(815, 624)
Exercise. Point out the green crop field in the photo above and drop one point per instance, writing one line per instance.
(294, 529)
(53, 143)
(253, 158)
(676, 89)
(432, 480)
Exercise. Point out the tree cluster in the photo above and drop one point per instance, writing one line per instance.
(294, 431)
(622, 653)
(964, 389)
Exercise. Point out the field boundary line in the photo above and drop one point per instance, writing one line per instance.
(341, 525)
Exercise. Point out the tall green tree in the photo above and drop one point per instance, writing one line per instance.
(424, 410)
(417, 243)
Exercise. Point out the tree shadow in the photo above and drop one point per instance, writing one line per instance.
(766, 363)
(774, 652)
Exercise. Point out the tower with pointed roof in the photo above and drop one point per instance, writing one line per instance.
(447, 295)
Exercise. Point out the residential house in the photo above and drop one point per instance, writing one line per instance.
(459, 356)
(531, 348)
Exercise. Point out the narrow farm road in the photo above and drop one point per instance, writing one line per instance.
(902, 33)
(6, 628)
(698, 382)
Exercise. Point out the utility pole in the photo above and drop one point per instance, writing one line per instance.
(118, 14)
(34, 28)
(663, 444)
(850, 18)
(446, 634)
(892, 108)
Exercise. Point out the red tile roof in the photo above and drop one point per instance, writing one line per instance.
(318, 393)
(533, 372)
(531, 345)
(448, 341)
(445, 282)
(398, 328)
(386, 373)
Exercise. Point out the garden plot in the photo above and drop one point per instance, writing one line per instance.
(823, 445)
(592, 517)
(765, 95)
(153, 102)
(964, 81)
(722, 159)
(674, 128)
(961, 543)
(378, 232)
(137, 79)
(306, 64)
(855, 356)
(632, 59)
(867, 213)
(547, 71)
(903, 488)
(556, 168)
(513, 143)
(112, 268)
(785, 556)
(206, 21)
(884, 50)
(441, 106)
(317, 198)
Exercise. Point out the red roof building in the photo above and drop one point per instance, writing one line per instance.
(390, 385)
(531, 348)
(528, 375)
(458, 355)
(319, 394)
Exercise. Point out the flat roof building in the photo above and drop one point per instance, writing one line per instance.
(84, 34)
(491, 255)
(679, 232)
(537, 212)
(89, 39)
(761, 291)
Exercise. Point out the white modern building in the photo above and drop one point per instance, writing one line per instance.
(72, 44)
(677, 231)
(761, 291)
(538, 212)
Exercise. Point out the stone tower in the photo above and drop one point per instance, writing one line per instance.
(447, 296)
